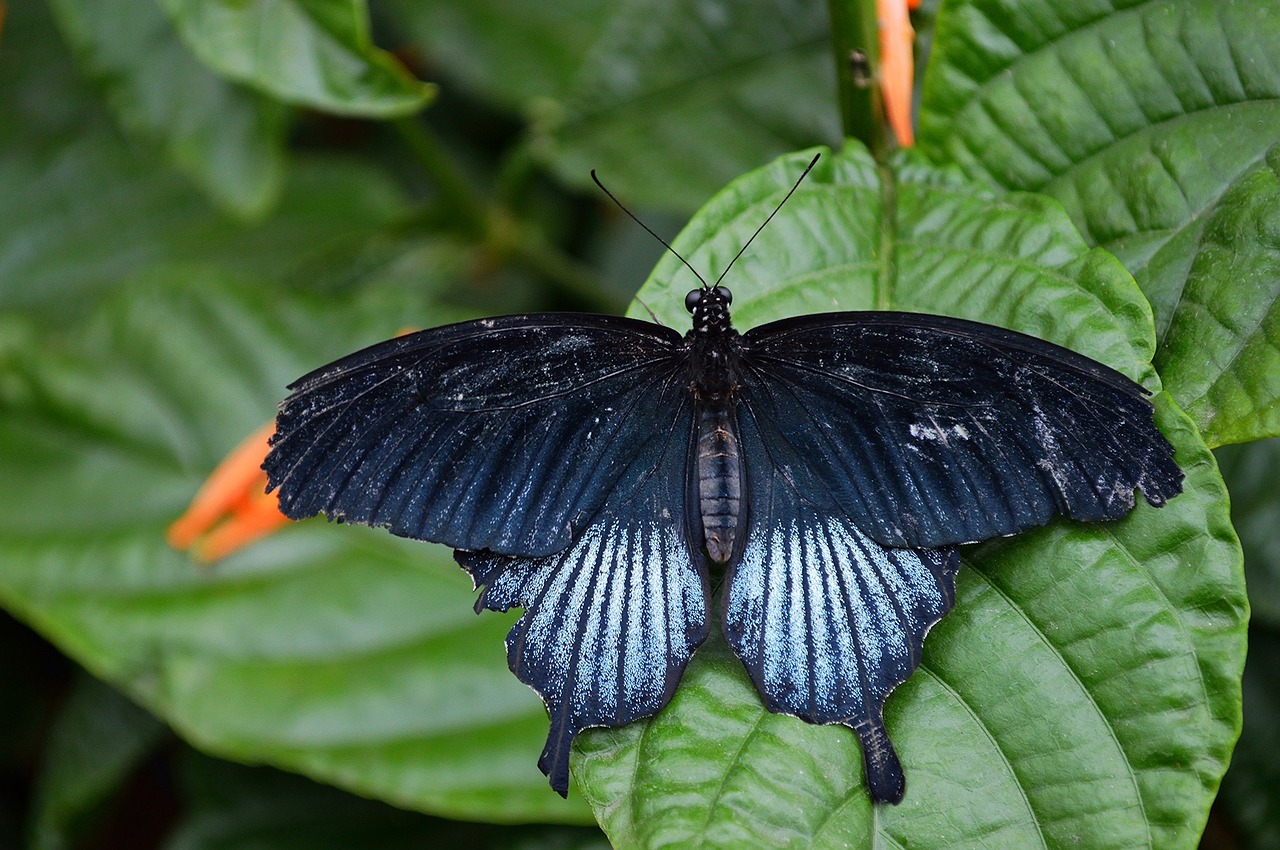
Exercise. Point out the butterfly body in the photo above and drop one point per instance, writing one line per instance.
(713, 347)
(592, 470)
(719, 474)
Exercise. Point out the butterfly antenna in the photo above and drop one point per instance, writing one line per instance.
(649, 310)
(799, 180)
(649, 229)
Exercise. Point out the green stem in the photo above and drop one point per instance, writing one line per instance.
(855, 33)
(471, 213)
(456, 192)
(569, 276)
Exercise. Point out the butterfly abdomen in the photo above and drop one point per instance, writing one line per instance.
(719, 481)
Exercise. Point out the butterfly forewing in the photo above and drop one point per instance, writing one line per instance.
(505, 434)
(611, 622)
(927, 431)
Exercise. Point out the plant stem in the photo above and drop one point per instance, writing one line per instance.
(473, 214)
(569, 276)
(457, 194)
(854, 33)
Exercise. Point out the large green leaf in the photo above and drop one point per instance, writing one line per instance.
(1222, 349)
(88, 213)
(346, 654)
(668, 100)
(1085, 692)
(1151, 122)
(313, 53)
(507, 51)
(226, 138)
(81, 209)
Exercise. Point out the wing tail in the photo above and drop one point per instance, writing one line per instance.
(885, 779)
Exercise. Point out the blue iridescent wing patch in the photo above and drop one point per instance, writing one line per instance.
(611, 622)
(826, 620)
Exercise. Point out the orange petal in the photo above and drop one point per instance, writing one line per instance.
(231, 490)
(252, 521)
(897, 67)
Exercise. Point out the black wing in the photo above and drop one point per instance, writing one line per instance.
(505, 434)
(827, 621)
(609, 623)
(926, 431)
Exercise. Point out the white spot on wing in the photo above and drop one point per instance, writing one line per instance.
(935, 433)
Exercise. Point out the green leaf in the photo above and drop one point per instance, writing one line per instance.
(1151, 123)
(97, 740)
(946, 246)
(313, 53)
(676, 100)
(81, 210)
(346, 654)
(668, 100)
(1221, 354)
(89, 214)
(231, 806)
(1085, 692)
(511, 65)
(227, 139)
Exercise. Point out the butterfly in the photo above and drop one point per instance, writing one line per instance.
(599, 472)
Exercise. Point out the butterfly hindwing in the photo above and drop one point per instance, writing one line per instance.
(927, 431)
(505, 434)
(609, 623)
(826, 620)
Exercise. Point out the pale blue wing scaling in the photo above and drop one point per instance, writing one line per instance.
(826, 620)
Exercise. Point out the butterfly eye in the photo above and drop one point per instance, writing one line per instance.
(723, 292)
(691, 300)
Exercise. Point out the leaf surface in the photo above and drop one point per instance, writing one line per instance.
(667, 100)
(227, 139)
(315, 53)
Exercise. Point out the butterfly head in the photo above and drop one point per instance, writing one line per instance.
(710, 309)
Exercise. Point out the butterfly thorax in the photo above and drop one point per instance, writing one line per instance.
(713, 345)
(713, 354)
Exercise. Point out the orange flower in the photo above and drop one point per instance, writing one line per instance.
(897, 65)
(232, 509)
